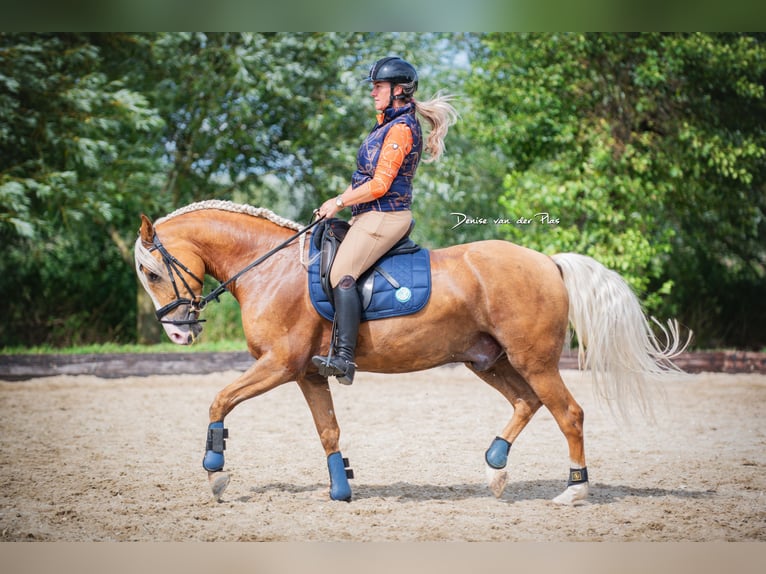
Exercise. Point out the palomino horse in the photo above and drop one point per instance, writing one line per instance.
(501, 309)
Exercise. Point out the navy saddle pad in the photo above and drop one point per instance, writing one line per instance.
(404, 291)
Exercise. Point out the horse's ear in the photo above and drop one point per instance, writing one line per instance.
(147, 230)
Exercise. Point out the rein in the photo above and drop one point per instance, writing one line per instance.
(197, 303)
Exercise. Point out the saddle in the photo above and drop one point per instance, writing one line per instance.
(405, 272)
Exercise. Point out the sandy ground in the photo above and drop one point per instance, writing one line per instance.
(89, 459)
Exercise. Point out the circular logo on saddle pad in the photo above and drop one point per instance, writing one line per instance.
(403, 294)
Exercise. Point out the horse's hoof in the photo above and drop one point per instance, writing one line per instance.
(497, 478)
(574, 495)
(218, 482)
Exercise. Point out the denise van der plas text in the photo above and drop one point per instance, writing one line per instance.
(540, 218)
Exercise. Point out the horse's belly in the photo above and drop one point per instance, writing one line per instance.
(423, 348)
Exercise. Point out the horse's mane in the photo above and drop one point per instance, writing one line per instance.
(143, 257)
(222, 205)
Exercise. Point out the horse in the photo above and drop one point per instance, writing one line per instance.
(501, 309)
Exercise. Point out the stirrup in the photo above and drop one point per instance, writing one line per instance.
(329, 367)
(323, 364)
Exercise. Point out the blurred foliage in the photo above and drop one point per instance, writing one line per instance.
(645, 151)
(222, 318)
(77, 157)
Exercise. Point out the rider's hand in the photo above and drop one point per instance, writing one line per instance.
(328, 209)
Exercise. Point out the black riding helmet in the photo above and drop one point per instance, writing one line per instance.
(397, 72)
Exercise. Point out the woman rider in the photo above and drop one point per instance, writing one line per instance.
(380, 195)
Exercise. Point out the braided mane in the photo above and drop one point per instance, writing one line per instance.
(144, 258)
(222, 205)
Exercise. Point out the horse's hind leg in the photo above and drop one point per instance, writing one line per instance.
(316, 391)
(504, 378)
(550, 389)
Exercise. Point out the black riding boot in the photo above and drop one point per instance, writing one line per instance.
(348, 312)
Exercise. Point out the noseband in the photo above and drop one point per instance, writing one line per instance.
(197, 303)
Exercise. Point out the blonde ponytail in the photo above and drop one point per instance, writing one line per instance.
(440, 115)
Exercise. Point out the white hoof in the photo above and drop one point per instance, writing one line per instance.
(218, 483)
(497, 478)
(573, 495)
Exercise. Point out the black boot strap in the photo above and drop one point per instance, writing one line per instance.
(577, 476)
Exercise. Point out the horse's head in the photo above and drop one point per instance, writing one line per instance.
(172, 280)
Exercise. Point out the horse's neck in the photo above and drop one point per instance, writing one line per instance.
(230, 242)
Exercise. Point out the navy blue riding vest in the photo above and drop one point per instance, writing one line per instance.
(399, 195)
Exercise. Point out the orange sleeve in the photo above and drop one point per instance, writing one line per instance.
(396, 145)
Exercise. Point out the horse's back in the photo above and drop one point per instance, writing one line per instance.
(490, 282)
(497, 265)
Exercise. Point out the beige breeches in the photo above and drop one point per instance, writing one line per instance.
(371, 235)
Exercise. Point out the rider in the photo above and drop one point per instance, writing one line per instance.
(380, 195)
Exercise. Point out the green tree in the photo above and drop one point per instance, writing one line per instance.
(270, 119)
(72, 157)
(646, 151)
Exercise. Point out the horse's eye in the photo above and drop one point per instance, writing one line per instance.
(151, 276)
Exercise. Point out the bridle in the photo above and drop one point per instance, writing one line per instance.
(197, 303)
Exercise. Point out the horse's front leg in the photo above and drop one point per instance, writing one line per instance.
(316, 390)
(263, 376)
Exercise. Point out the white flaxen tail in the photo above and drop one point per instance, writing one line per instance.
(615, 338)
